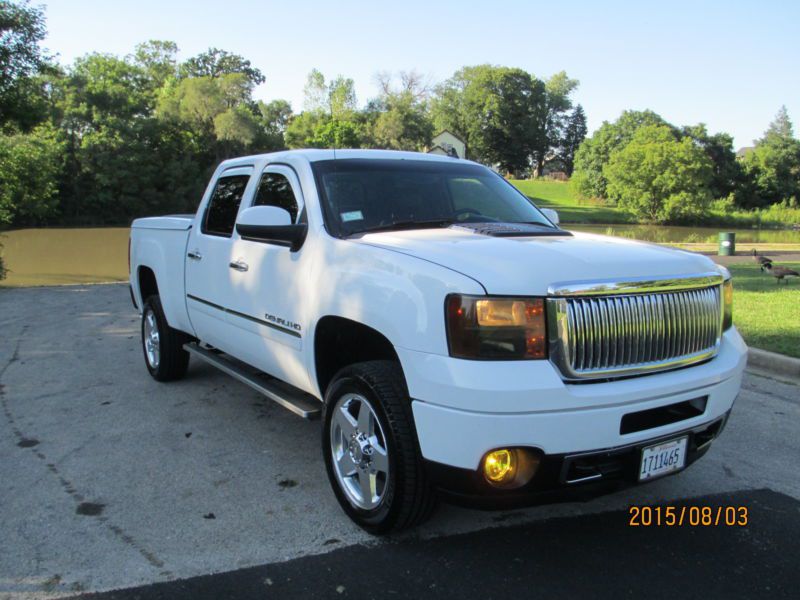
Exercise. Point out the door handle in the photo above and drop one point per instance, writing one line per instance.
(239, 265)
(195, 255)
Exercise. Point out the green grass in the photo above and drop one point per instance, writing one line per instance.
(560, 196)
(767, 314)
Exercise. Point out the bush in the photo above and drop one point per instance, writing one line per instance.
(30, 165)
(660, 178)
(724, 212)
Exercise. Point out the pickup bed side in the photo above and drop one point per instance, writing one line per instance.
(157, 248)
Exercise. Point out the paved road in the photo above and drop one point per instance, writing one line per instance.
(201, 488)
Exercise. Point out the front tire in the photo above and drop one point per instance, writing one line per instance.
(371, 450)
(164, 356)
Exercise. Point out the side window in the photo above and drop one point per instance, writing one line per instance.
(224, 204)
(274, 189)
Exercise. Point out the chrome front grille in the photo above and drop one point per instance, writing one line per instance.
(602, 334)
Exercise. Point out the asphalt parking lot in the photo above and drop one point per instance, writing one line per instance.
(113, 483)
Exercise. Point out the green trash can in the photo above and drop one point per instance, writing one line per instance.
(727, 243)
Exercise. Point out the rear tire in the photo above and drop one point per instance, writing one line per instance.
(164, 356)
(369, 435)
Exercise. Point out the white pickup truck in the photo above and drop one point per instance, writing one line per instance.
(456, 342)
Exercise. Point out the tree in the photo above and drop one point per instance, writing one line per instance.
(216, 63)
(552, 119)
(410, 82)
(342, 98)
(336, 98)
(727, 172)
(315, 93)
(273, 119)
(398, 118)
(772, 168)
(121, 160)
(400, 124)
(574, 133)
(498, 110)
(595, 152)
(781, 126)
(30, 165)
(302, 128)
(158, 61)
(337, 134)
(217, 110)
(22, 28)
(330, 118)
(659, 177)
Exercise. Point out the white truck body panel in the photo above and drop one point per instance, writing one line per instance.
(527, 266)
(156, 242)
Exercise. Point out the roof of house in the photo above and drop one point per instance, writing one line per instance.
(451, 133)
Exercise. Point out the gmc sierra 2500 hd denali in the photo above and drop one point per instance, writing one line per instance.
(453, 338)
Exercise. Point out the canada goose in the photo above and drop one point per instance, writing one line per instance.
(761, 260)
(780, 272)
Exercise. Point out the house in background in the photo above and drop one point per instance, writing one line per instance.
(448, 144)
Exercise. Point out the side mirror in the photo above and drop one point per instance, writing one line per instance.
(550, 214)
(271, 225)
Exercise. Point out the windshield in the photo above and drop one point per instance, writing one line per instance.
(360, 195)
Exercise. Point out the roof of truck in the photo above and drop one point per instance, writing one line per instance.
(314, 155)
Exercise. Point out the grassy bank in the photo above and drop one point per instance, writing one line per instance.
(766, 313)
(560, 196)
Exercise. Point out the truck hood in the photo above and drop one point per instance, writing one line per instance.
(528, 265)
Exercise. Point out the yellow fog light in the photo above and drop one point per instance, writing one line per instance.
(499, 466)
(511, 468)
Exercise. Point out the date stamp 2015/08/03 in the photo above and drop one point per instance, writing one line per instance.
(688, 516)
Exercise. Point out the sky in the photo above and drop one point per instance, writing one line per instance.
(730, 65)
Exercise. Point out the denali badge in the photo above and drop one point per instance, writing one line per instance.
(282, 322)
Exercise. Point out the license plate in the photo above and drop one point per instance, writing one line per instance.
(663, 458)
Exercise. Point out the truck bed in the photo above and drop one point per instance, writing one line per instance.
(160, 243)
(176, 222)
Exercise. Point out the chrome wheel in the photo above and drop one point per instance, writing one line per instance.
(152, 343)
(359, 451)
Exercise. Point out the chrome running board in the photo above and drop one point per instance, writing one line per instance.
(297, 401)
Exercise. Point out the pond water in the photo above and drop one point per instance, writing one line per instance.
(60, 256)
(94, 255)
(674, 234)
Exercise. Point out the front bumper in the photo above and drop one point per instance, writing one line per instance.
(463, 409)
(562, 477)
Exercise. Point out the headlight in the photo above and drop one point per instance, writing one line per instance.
(727, 304)
(481, 327)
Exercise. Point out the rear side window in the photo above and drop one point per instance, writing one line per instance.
(224, 205)
(274, 189)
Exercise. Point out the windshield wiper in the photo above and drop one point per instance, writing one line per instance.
(401, 225)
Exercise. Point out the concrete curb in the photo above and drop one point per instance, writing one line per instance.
(780, 364)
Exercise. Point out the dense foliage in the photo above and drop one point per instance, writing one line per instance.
(110, 138)
(659, 177)
(665, 174)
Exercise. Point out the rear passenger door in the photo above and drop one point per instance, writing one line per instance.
(208, 257)
(267, 306)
